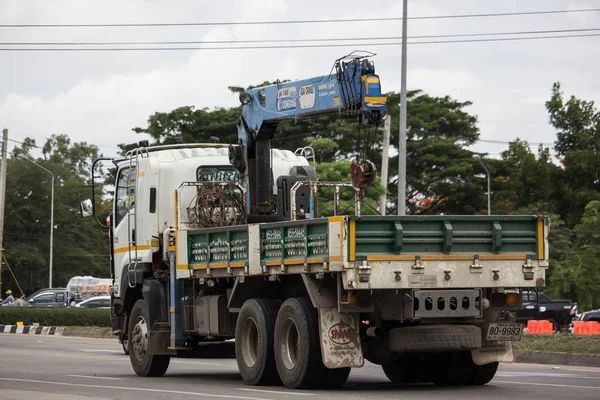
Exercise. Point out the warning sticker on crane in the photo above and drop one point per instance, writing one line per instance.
(307, 97)
(287, 99)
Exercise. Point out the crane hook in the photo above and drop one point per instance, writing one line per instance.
(363, 174)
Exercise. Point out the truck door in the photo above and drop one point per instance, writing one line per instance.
(122, 223)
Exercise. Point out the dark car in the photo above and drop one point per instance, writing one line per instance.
(48, 298)
(538, 306)
(593, 315)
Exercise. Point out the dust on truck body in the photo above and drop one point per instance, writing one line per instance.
(214, 242)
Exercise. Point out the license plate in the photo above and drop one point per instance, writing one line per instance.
(501, 331)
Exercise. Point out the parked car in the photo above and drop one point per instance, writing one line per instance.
(48, 298)
(95, 302)
(592, 315)
(534, 307)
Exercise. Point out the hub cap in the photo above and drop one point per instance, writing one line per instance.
(139, 339)
(250, 342)
(290, 344)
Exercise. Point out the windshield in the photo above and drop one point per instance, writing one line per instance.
(217, 174)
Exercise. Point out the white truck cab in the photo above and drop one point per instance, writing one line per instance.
(144, 204)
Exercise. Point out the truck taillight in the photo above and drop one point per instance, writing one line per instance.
(108, 221)
(505, 299)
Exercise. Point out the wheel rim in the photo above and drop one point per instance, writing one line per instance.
(139, 339)
(250, 342)
(126, 345)
(290, 344)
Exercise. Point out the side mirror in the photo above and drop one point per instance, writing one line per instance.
(31, 301)
(86, 208)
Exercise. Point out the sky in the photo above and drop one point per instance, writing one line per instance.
(98, 97)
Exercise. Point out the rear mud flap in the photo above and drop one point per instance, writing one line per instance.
(340, 339)
(503, 352)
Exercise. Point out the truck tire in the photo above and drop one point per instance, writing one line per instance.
(143, 363)
(452, 369)
(125, 344)
(433, 338)
(297, 345)
(254, 343)
(406, 369)
(482, 374)
(335, 378)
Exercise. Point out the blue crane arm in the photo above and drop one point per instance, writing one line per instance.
(353, 90)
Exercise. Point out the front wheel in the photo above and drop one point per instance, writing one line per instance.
(125, 344)
(143, 363)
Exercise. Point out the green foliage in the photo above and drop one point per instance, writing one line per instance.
(441, 173)
(340, 172)
(577, 124)
(324, 148)
(55, 316)
(80, 246)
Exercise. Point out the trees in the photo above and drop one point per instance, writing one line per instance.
(577, 124)
(79, 246)
(439, 167)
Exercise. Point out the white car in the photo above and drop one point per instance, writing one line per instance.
(95, 302)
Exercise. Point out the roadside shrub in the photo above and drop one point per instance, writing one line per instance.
(55, 316)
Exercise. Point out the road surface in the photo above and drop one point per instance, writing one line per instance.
(62, 368)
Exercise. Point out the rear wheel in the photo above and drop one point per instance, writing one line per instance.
(406, 369)
(335, 378)
(482, 374)
(555, 325)
(254, 342)
(143, 363)
(452, 369)
(298, 349)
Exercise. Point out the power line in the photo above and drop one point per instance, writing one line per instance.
(56, 49)
(28, 144)
(292, 40)
(306, 21)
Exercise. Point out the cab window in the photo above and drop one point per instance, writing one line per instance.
(124, 193)
(217, 174)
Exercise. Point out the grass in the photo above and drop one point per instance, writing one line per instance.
(560, 343)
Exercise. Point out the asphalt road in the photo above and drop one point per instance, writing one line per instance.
(53, 368)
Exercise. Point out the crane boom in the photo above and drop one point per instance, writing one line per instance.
(353, 90)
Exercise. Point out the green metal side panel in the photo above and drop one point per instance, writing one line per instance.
(407, 235)
(217, 246)
(293, 242)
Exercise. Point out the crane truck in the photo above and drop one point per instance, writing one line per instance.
(213, 242)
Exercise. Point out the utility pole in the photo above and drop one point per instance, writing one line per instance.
(487, 173)
(2, 196)
(385, 157)
(402, 144)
